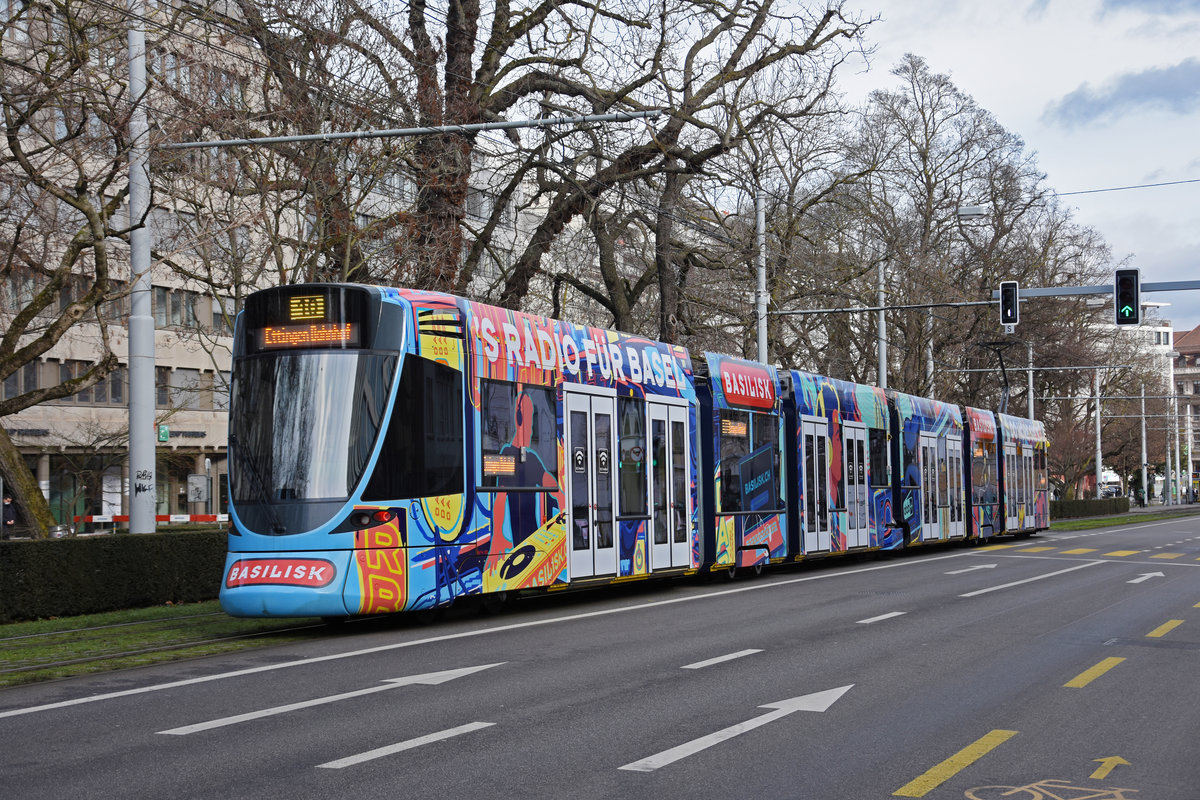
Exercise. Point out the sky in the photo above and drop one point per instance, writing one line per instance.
(1105, 93)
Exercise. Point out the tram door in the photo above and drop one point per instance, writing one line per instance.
(930, 529)
(954, 467)
(670, 493)
(858, 523)
(1012, 480)
(590, 483)
(1030, 494)
(816, 487)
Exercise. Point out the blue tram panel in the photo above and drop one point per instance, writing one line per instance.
(395, 450)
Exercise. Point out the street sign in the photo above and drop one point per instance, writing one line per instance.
(197, 488)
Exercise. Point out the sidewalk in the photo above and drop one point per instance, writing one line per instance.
(1159, 508)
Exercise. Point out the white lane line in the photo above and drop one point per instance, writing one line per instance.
(1031, 580)
(428, 679)
(882, 617)
(720, 659)
(304, 662)
(380, 752)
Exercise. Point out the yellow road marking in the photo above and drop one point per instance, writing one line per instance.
(1167, 555)
(1107, 765)
(1087, 676)
(1123, 553)
(1164, 629)
(1196, 606)
(1078, 551)
(1000, 546)
(1036, 549)
(922, 785)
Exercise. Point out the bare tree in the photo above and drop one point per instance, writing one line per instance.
(62, 224)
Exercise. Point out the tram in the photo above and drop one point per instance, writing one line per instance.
(394, 450)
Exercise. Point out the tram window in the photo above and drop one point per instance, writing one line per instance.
(735, 446)
(631, 421)
(942, 475)
(764, 432)
(749, 461)
(422, 453)
(679, 481)
(518, 436)
(879, 458)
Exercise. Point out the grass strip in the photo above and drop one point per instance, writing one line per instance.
(65, 647)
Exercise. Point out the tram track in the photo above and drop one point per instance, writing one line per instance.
(52, 649)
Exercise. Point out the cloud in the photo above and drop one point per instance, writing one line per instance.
(1174, 89)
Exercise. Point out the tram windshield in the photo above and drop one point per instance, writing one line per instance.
(303, 424)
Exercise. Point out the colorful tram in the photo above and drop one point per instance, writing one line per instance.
(395, 450)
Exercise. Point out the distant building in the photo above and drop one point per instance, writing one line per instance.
(1187, 388)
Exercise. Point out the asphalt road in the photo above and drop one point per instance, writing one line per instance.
(1071, 658)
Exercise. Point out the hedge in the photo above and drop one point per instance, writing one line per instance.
(86, 575)
(1070, 509)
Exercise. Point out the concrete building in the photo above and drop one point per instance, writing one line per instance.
(1187, 390)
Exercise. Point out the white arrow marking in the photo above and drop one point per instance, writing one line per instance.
(1147, 576)
(969, 569)
(820, 701)
(428, 738)
(428, 679)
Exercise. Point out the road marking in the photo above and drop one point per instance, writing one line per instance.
(1037, 549)
(429, 738)
(1107, 765)
(978, 592)
(1164, 629)
(819, 701)
(1196, 606)
(486, 631)
(1078, 551)
(935, 777)
(1145, 576)
(428, 679)
(1168, 555)
(1000, 546)
(720, 659)
(972, 569)
(1120, 553)
(1087, 676)
(882, 617)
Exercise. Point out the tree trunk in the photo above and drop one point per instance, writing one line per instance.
(32, 508)
(664, 258)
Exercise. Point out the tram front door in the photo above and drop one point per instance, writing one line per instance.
(591, 464)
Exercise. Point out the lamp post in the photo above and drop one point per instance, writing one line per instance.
(1172, 467)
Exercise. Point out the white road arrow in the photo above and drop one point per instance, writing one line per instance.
(820, 701)
(971, 569)
(1147, 576)
(428, 679)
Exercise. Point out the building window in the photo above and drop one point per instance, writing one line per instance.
(174, 308)
(162, 387)
(189, 389)
(23, 380)
(223, 312)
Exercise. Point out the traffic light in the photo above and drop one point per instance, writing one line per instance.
(1127, 289)
(1010, 302)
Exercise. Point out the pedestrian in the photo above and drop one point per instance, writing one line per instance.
(10, 518)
